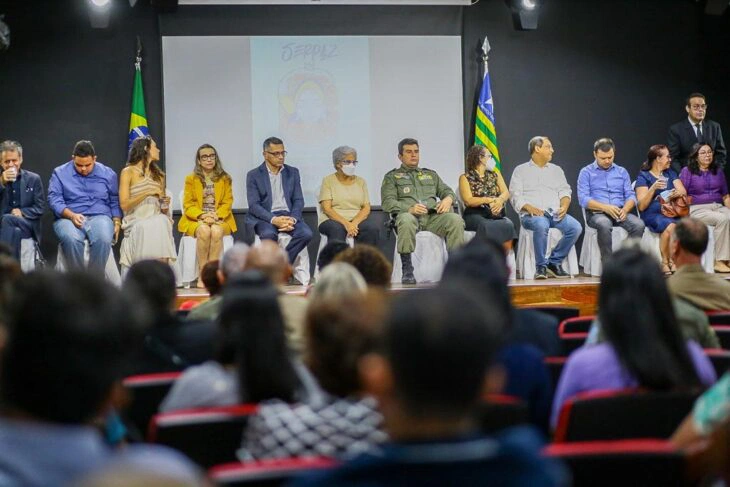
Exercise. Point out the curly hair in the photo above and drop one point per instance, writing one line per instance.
(139, 151)
(693, 163)
(217, 172)
(371, 263)
(473, 155)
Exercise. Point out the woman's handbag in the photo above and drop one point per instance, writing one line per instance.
(676, 207)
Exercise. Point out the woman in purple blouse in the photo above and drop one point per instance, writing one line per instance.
(706, 184)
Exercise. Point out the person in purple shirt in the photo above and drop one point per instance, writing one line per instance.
(706, 184)
(649, 352)
(84, 197)
(604, 191)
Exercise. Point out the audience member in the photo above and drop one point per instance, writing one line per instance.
(207, 206)
(370, 262)
(644, 345)
(253, 362)
(345, 202)
(147, 222)
(209, 276)
(654, 180)
(329, 252)
(339, 332)
(62, 369)
(275, 200)
(271, 260)
(429, 376)
(232, 263)
(84, 197)
(171, 343)
(691, 283)
(696, 129)
(604, 191)
(22, 202)
(10, 272)
(419, 200)
(706, 184)
(541, 196)
(338, 280)
(710, 412)
(485, 194)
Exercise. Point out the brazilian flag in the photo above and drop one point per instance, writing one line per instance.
(138, 119)
(485, 134)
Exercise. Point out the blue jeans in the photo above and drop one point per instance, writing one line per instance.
(540, 225)
(98, 229)
(13, 229)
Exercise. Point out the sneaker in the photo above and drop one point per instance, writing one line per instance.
(541, 272)
(556, 270)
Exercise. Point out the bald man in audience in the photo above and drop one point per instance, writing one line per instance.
(272, 261)
(706, 291)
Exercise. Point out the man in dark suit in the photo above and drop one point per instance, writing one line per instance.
(696, 128)
(275, 200)
(21, 198)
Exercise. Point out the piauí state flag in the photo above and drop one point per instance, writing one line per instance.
(138, 119)
(484, 133)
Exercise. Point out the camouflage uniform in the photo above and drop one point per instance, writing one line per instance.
(404, 187)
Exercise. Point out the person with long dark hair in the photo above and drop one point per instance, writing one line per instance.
(706, 184)
(253, 362)
(656, 176)
(207, 206)
(147, 222)
(644, 345)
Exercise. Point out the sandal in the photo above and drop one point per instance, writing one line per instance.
(666, 269)
(672, 267)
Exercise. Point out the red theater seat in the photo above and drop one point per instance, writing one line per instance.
(147, 392)
(266, 473)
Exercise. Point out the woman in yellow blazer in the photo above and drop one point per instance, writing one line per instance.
(207, 204)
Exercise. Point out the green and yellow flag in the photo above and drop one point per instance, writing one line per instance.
(138, 119)
(485, 134)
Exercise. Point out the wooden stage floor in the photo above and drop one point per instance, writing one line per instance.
(579, 292)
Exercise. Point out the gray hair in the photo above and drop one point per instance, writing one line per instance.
(338, 280)
(536, 141)
(340, 153)
(234, 259)
(11, 146)
(604, 144)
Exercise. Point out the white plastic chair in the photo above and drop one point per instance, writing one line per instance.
(526, 263)
(650, 242)
(428, 259)
(590, 254)
(111, 271)
(323, 240)
(511, 260)
(301, 263)
(27, 255)
(187, 256)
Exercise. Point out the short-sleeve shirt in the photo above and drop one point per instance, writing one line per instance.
(347, 199)
(646, 179)
(712, 407)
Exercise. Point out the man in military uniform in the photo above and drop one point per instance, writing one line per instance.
(421, 201)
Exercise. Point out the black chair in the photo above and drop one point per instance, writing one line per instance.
(555, 367)
(635, 463)
(720, 359)
(723, 334)
(147, 392)
(208, 436)
(500, 411)
(621, 414)
(560, 312)
(266, 473)
(718, 317)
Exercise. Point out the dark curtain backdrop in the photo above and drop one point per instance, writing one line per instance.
(617, 68)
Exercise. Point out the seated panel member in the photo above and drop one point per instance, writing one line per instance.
(421, 201)
(345, 202)
(275, 200)
(22, 202)
(604, 190)
(84, 197)
(695, 129)
(541, 195)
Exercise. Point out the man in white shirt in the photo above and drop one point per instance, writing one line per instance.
(541, 195)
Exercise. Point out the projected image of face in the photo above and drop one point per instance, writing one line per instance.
(411, 155)
(308, 106)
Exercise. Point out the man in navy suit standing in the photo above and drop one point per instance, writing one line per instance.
(695, 129)
(21, 198)
(275, 199)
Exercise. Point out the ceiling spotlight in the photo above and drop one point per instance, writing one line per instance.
(100, 3)
(99, 13)
(525, 13)
(529, 4)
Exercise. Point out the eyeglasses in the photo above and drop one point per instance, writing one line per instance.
(486, 155)
(349, 163)
(698, 107)
(277, 153)
(208, 157)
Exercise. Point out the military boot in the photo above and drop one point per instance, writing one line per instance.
(407, 269)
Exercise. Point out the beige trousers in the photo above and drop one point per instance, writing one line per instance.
(717, 216)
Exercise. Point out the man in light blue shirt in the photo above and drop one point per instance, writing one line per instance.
(605, 192)
(84, 197)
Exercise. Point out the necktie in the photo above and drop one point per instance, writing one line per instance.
(700, 137)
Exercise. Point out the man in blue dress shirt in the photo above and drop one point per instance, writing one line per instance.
(604, 190)
(84, 197)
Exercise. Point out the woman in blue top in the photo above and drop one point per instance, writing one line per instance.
(655, 178)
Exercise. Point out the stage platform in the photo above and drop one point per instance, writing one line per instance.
(578, 292)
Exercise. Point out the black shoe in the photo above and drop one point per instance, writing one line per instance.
(556, 270)
(541, 272)
(293, 281)
(408, 277)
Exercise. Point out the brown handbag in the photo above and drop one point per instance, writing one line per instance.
(676, 207)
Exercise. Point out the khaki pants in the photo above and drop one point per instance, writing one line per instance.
(447, 225)
(717, 216)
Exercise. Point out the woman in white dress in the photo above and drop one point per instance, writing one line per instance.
(147, 222)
